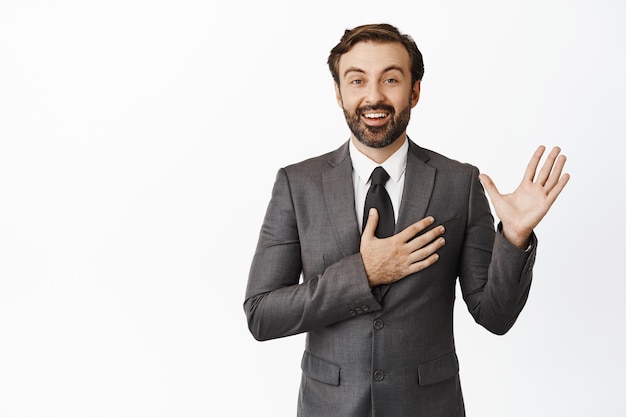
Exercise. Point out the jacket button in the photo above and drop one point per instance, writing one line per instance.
(379, 375)
(378, 324)
(365, 308)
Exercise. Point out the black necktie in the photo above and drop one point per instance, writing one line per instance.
(378, 198)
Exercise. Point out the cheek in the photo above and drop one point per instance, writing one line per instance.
(348, 100)
(349, 104)
(401, 99)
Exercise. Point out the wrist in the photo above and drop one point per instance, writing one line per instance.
(520, 240)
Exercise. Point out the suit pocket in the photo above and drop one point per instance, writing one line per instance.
(320, 370)
(438, 370)
(450, 222)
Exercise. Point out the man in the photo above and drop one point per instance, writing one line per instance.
(378, 310)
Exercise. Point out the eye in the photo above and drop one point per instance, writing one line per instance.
(391, 81)
(356, 82)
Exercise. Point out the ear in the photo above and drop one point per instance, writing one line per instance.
(415, 93)
(338, 95)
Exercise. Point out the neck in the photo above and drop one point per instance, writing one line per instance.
(379, 155)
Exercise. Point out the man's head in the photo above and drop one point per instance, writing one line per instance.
(383, 33)
(377, 73)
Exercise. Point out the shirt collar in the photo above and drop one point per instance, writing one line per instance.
(395, 165)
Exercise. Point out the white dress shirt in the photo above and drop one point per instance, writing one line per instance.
(362, 168)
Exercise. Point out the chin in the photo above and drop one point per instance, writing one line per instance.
(376, 143)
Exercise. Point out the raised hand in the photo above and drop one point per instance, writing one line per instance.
(391, 259)
(521, 211)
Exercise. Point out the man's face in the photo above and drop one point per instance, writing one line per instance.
(375, 92)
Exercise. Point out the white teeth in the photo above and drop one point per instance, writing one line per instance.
(375, 115)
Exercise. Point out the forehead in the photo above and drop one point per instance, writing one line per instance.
(375, 57)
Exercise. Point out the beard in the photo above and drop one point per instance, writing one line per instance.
(378, 136)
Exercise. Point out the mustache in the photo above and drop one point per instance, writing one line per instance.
(376, 107)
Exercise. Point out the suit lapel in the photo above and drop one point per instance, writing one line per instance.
(419, 180)
(339, 195)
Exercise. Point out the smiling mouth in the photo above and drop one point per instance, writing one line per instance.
(375, 119)
(375, 116)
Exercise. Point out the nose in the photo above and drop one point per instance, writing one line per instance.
(375, 93)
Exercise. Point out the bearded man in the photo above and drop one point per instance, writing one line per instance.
(361, 248)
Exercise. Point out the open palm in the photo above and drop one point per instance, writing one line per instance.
(521, 211)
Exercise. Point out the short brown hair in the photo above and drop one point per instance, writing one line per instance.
(382, 32)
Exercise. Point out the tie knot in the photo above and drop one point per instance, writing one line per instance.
(379, 176)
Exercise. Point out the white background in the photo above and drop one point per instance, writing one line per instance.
(122, 280)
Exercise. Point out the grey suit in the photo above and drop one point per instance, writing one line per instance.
(397, 357)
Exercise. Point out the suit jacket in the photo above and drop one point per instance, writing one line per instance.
(395, 357)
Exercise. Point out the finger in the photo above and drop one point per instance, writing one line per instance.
(531, 168)
(489, 186)
(555, 175)
(426, 251)
(412, 230)
(423, 264)
(554, 193)
(424, 239)
(546, 169)
(372, 222)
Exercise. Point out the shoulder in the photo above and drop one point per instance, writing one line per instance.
(441, 162)
(317, 165)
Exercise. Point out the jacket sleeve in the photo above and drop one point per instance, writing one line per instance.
(495, 275)
(277, 304)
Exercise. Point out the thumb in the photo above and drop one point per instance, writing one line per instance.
(489, 186)
(372, 222)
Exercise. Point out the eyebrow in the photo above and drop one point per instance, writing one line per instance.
(359, 70)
